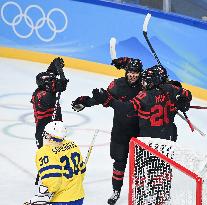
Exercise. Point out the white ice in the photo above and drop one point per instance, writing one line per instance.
(17, 129)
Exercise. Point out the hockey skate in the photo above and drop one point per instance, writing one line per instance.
(115, 196)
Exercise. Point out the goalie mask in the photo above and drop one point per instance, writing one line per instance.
(55, 131)
(133, 70)
(153, 77)
(46, 81)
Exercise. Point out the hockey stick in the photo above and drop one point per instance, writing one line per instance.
(91, 146)
(189, 122)
(198, 130)
(145, 26)
(58, 63)
(113, 48)
(198, 107)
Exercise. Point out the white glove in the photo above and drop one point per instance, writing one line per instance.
(41, 198)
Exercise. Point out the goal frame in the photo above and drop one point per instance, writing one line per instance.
(133, 143)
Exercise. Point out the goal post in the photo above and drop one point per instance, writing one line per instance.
(163, 173)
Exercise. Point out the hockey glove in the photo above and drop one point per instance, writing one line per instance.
(56, 66)
(121, 63)
(182, 103)
(102, 97)
(80, 103)
(41, 198)
(176, 83)
(61, 85)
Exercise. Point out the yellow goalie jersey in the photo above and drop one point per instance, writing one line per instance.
(62, 169)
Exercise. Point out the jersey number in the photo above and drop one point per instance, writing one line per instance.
(44, 160)
(160, 114)
(74, 169)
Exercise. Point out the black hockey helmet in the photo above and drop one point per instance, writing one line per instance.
(162, 72)
(134, 65)
(44, 80)
(154, 76)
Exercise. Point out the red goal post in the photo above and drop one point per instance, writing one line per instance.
(163, 173)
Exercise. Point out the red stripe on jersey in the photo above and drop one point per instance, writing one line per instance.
(185, 92)
(176, 87)
(111, 85)
(143, 116)
(141, 95)
(44, 116)
(45, 112)
(136, 104)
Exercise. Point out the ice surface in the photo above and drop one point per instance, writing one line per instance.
(17, 129)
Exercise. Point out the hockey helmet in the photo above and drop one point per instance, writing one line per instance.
(153, 77)
(162, 72)
(134, 65)
(44, 80)
(56, 130)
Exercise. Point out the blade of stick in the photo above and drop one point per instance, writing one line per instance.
(113, 48)
(146, 22)
(145, 26)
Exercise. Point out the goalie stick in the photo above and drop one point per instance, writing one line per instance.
(91, 146)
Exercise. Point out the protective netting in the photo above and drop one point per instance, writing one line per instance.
(164, 173)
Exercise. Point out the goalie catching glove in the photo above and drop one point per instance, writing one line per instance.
(80, 103)
(43, 197)
(121, 63)
(102, 97)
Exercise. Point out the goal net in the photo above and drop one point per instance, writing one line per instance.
(164, 173)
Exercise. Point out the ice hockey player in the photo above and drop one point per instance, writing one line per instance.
(155, 107)
(61, 169)
(45, 99)
(124, 89)
(165, 78)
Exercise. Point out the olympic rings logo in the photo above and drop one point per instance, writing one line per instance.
(34, 26)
